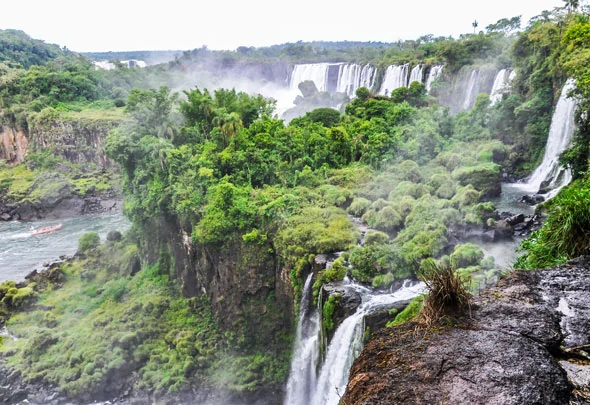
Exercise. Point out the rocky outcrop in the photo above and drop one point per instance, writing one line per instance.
(14, 143)
(76, 141)
(524, 341)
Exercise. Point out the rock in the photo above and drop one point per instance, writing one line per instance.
(504, 350)
(114, 236)
(5, 217)
(515, 219)
(532, 199)
(503, 230)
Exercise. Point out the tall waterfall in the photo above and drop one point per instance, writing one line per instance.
(395, 76)
(316, 72)
(435, 72)
(501, 85)
(472, 90)
(417, 74)
(352, 76)
(341, 352)
(335, 77)
(302, 377)
(549, 174)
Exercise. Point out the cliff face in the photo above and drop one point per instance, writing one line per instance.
(250, 293)
(14, 143)
(525, 341)
(78, 141)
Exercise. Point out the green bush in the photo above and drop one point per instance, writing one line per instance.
(465, 255)
(566, 232)
(359, 206)
(88, 241)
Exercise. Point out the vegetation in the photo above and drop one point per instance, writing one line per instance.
(222, 192)
(447, 293)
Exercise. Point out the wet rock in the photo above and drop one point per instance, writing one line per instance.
(504, 350)
(5, 217)
(515, 219)
(532, 199)
(503, 230)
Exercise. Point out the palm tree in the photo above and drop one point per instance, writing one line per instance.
(572, 5)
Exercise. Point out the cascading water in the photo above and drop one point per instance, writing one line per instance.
(435, 72)
(472, 90)
(549, 172)
(352, 76)
(501, 85)
(395, 76)
(344, 347)
(417, 74)
(302, 377)
(316, 72)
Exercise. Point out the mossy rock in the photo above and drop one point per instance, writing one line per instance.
(484, 178)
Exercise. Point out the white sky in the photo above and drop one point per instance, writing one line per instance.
(113, 25)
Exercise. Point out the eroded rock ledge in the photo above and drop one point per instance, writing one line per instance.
(526, 341)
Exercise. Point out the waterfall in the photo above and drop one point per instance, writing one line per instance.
(416, 75)
(302, 377)
(352, 76)
(549, 173)
(472, 90)
(395, 76)
(501, 85)
(347, 343)
(435, 72)
(316, 72)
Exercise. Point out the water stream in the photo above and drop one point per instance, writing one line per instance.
(21, 253)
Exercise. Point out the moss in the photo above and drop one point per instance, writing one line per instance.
(484, 177)
(328, 310)
(410, 312)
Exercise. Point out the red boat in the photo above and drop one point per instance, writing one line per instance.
(46, 229)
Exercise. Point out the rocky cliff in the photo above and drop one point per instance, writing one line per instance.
(524, 341)
(78, 138)
(14, 143)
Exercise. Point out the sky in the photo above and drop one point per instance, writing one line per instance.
(128, 25)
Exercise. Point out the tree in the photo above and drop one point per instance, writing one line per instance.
(571, 5)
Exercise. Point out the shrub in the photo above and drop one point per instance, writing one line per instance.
(359, 206)
(565, 234)
(373, 236)
(88, 241)
(466, 254)
(446, 291)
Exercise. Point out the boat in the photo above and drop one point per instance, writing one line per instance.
(46, 229)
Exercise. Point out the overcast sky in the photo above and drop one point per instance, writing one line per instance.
(115, 25)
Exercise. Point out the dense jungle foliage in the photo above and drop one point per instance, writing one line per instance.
(222, 167)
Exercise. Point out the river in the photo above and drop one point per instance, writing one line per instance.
(21, 253)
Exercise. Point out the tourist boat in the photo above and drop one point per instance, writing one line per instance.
(46, 229)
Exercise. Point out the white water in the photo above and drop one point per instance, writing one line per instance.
(416, 75)
(306, 353)
(316, 72)
(472, 90)
(343, 349)
(435, 72)
(501, 85)
(352, 76)
(558, 140)
(395, 76)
